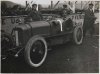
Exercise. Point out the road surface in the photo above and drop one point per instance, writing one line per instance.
(66, 58)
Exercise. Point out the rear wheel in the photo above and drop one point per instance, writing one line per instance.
(78, 35)
(36, 51)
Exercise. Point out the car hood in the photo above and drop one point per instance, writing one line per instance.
(38, 24)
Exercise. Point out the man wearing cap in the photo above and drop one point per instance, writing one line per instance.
(34, 14)
(65, 11)
(89, 20)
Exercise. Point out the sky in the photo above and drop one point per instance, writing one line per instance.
(42, 1)
(34, 1)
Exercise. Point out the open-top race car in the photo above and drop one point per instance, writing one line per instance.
(33, 39)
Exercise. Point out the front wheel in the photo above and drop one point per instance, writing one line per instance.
(78, 35)
(36, 51)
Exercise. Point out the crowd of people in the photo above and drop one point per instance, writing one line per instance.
(12, 11)
(35, 15)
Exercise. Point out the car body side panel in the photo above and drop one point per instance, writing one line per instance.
(40, 28)
(26, 31)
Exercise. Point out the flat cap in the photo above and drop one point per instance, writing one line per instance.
(91, 4)
(64, 5)
(34, 4)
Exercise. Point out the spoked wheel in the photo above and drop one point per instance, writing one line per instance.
(36, 51)
(6, 44)
(78, 35)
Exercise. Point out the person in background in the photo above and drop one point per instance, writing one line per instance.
(65, 11)
(89, 20)
(34, 14)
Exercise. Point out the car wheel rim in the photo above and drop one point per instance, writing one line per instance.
(79, 35)
(37, 52)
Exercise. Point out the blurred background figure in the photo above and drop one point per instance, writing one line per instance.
(89, 20)
(65, 11)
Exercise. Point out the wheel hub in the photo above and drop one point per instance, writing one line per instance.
(79, 35)
(37, 52)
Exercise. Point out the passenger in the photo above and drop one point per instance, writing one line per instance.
(34, 14)
(89, 20)
(65, 11)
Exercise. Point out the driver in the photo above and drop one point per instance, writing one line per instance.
(34, 14)
(65, 11)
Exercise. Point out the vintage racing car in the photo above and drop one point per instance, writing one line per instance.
(32, 39)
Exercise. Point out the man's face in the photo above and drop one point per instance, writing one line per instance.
(64, 7)
(90, 6)
(34, 7)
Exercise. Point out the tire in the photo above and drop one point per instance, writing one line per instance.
(78, 35)
(6, 43)
(36, 51)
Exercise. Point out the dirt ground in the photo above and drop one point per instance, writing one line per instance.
(66, 58)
